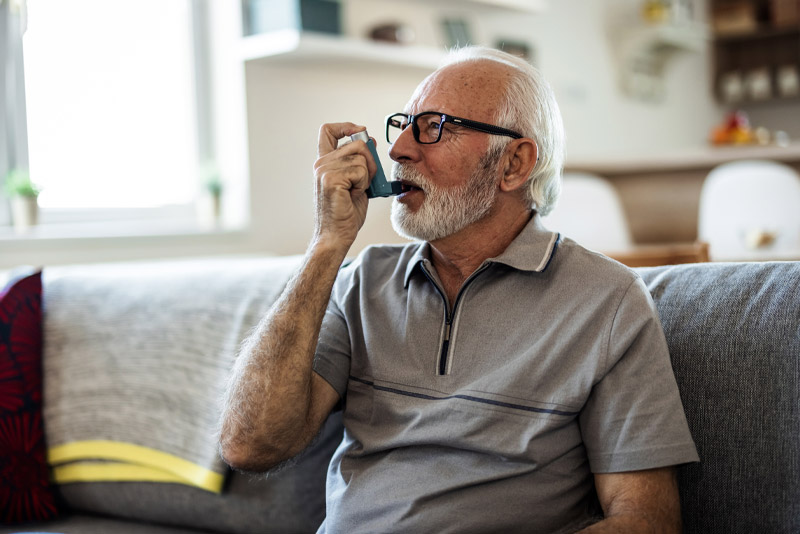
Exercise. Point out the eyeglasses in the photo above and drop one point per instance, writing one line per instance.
(427, 126)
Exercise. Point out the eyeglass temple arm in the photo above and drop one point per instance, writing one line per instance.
(485, 128)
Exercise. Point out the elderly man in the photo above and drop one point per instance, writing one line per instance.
(494, 376)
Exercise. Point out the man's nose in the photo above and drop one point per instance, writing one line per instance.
(405, 148)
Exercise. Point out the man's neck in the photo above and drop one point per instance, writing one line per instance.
(457, 256)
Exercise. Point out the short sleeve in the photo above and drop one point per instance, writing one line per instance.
(332, 357)
(634, 417)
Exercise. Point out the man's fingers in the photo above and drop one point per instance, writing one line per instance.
(350, 170)
(329, 135)
(360, 148)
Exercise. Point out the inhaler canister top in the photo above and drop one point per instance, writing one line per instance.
(360, 136)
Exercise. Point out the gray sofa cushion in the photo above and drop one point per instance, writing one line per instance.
(138, 354)
(291, 500)
(734, 337)
(90, 524)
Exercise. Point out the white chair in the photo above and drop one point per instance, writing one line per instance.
(750, 210)
(590, 212)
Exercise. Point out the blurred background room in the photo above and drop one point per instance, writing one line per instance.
(188, 128)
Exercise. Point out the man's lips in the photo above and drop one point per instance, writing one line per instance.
(407, 187)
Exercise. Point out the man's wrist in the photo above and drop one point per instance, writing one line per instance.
(330, 248)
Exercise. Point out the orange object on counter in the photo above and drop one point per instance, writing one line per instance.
(735, 130)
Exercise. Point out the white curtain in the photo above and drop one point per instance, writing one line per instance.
(13, 124)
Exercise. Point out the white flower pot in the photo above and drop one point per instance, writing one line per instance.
(209, 211)
(24, 213)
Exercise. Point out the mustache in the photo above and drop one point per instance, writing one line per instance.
(409, 175)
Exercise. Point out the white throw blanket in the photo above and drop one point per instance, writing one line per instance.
(135, 360)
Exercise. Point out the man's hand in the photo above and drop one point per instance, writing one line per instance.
(638, 502)
(342, 177)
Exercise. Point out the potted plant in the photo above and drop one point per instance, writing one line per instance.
(210, 207)
(24, 195)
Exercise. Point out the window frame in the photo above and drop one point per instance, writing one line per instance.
(179, 216)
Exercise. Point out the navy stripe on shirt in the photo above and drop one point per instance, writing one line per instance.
(464, 397)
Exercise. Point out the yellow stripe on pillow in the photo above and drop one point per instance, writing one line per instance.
(154, 465)
(110, 472)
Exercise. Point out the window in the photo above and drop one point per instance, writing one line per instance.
(112, 108)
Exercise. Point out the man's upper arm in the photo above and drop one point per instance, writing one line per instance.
(323, 400)
(634, 419)
(649, 497)
(332, 356)
(331, 366)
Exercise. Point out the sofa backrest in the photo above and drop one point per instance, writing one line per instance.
(734, 338)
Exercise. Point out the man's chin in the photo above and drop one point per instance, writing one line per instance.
(411, 224)
(414, 226)
(400, 219)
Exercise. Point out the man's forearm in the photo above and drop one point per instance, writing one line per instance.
(638, 501)
(274, 405)
(266, 410)
(630, 524)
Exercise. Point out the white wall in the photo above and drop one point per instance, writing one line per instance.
(576, 41)
(286, 106)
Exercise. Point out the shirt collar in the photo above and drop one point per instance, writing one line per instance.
(532, 250)
(421, 255)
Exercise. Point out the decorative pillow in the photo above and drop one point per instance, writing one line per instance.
(25, 492)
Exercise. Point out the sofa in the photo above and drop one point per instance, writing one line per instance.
(124, 343)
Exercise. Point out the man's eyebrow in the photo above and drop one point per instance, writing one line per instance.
(425, 111)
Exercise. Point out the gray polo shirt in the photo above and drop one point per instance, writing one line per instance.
(551, 366)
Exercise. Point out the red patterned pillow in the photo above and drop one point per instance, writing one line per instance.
(25, 492)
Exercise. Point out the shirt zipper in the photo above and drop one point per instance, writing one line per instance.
(449, 317)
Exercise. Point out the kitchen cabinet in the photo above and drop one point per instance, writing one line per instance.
(756, 51)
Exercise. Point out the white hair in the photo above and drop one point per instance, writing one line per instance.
(529, 107)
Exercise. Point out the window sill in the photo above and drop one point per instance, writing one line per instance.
(113, 230)
(57, 244)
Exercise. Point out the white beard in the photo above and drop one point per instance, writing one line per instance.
(445, 211)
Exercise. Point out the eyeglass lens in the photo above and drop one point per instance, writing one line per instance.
(426, 127)
(395, 126)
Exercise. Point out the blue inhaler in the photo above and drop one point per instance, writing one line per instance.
(379, 186)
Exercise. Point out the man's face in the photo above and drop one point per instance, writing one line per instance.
(445, 210)
(455, 181)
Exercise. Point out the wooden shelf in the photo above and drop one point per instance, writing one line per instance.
(292, 46)
(778, 100)
(760, 42)
(758, 35)
(700, 158)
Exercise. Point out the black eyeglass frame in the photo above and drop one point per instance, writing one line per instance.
(391, 122)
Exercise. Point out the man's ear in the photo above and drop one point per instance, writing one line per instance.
(520, 159)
